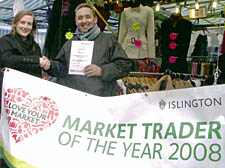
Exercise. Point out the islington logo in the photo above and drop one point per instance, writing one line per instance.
(27, 115)
(192, 103)
(162, 104)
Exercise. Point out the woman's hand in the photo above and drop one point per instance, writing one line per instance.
(44, 63)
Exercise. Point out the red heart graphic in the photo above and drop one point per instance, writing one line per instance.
(26, 115)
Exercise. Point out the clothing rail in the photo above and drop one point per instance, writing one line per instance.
(210, 59)
(183, 76)
(203, 56)
(147, 73)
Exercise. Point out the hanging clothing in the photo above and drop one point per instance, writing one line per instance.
(189, 67)
(205, 68)
(60, 22)
(175, 35)
(105, 14)
(194, 68)
(136, 33)
(201, 46)
(147, 65)
(221, 79)
(223, 44)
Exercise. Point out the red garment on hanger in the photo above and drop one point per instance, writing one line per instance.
(147, 65)
(105, 14)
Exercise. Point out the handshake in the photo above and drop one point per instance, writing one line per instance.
(44, 63)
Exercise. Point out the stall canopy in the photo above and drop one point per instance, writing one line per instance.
(41, 9)
(213, 15)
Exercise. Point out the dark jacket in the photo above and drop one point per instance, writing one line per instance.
(14, 55)
(182, 29)
(201, 46)
(107, 53)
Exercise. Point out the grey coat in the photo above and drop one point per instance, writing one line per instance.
(107, 53)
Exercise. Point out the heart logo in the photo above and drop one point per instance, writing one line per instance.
(28, 116)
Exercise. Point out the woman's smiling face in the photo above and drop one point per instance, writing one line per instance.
(24, 26)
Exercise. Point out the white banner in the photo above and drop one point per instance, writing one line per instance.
(47, 125)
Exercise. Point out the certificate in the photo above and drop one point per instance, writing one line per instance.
(80, 56)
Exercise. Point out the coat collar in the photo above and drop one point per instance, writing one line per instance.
(174, 17)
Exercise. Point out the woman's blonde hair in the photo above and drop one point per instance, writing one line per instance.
(18, 17)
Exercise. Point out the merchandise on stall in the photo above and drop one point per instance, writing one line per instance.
(138, 82)
(61, 21)
(223, 44)
(175, 35)
(136, 32)
(201, 46)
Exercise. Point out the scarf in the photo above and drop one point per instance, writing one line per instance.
(92, 33)
(27, 44)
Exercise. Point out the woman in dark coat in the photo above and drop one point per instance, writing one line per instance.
(18, 50)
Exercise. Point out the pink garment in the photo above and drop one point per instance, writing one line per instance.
(194, 68)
